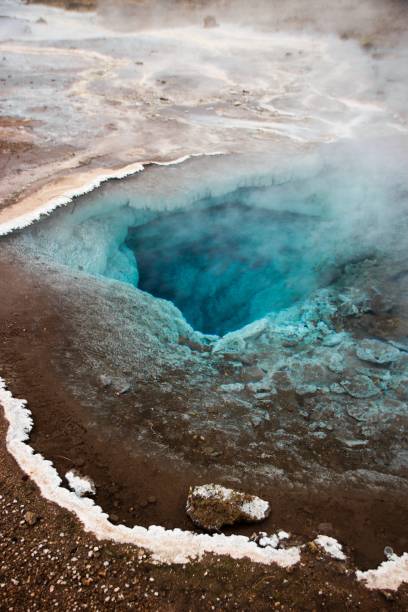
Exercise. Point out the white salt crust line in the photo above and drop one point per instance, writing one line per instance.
(389, 575)
(23, 220)
(166, 546)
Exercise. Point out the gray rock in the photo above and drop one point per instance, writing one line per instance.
(355, 443)
(375, 351)
(121, 387)
(211, 506)
(360, 387)
(336, 363)
(105, 380)
(252, 373)
(333, 339)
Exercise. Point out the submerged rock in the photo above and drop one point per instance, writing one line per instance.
(252, 373)
(360, 387)
(375, 351)
(105, 380)
(121, 387)
(211, 506)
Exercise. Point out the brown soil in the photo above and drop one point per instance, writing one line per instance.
(53, 563)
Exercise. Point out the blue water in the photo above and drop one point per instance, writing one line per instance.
(258, 244)
(229, 264)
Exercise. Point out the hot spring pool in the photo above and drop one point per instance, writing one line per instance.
(227, 264)
(227, 249)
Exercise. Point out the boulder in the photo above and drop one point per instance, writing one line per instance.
(211, 506)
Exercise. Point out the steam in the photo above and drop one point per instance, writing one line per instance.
(369, 21)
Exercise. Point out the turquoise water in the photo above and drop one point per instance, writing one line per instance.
(227, 264)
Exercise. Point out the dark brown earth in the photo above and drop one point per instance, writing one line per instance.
(53, 563)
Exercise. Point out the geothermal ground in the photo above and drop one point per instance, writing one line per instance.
(203, 279)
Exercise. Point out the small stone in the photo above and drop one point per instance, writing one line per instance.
(151, 499)
(122, 388)
(375, 351)
(336, 363)
(355, 443)
(105, 380)
(312, 546)
(211, 506)
(210, 21)
(360, 387)
(389, 595)
(333, 339)
(388, 552)
(31, 518)
(114, 518)
(251, 373)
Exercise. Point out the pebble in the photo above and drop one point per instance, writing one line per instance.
(105, 380)
(122, 389)
(30, 518)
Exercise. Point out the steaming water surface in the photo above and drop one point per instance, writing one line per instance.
(227, 264)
